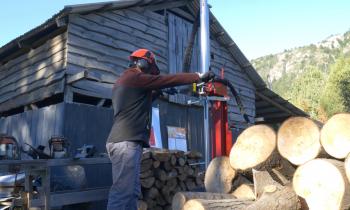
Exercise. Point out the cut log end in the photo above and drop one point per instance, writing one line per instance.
(335, 136)
(299, 140)
(322, 183)
(219, 175)
(245, 191)
(253, 147)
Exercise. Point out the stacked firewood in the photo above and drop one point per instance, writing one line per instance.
(305, 165)
(166, 172)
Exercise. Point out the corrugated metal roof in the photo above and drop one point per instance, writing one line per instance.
(263, 93)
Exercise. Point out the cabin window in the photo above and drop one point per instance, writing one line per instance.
(179, 36)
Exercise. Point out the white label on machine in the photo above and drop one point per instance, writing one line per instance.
(177, 138)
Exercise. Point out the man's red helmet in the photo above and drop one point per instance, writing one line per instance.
(139, 57)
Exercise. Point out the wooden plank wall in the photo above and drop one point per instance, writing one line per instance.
(179, 35)
(239, 79)
(100, 43)
(35, 75)
(179, 32)
(35, 127)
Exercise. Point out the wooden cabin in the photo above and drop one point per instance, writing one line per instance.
(57, 78)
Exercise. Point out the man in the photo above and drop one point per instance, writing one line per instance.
(132, 104)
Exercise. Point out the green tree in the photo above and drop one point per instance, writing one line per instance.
(305, 92)
(336, 96)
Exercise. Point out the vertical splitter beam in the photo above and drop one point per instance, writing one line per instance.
(205, 62)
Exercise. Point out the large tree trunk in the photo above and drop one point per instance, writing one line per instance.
(224, 204)
(335, 136)
(274, 198)
(181, 198)
(323, 184)
(219, 175)
(298, 140)
(254, 147)
(277, 199)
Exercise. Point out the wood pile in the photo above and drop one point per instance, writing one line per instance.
(166, 172)
(304, 165)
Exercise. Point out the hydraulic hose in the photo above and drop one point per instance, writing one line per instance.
(235, 95)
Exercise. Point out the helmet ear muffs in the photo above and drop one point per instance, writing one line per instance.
(143, 65)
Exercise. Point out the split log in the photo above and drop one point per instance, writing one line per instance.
(148, 182)
(166, 166)
(277, 199)
(146, 154)
(181, 198)
(243, 188)
(263, 179)
(298, 140)
(181, 161)
(160, 174)
(161, 155)
(172, 174)
(193, 155)
(141, 205)
(146, 165)
(159, 184)
(223, 204)
(151, 193)
(323, 184)
(160, 200)
(156, 164)
(219, 175)
(244, 191)
(173, 160)
(171, 184)
(190, 184)
(188, 170)
(254, 148)
(199, 181)
(146, 174)
(335, 136)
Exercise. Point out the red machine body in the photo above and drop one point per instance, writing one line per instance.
(221, 133)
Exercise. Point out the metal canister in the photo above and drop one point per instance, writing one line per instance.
(9, 148)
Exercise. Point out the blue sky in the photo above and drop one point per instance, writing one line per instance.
(259, 27)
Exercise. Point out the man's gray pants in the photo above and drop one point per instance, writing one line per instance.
(126, 162)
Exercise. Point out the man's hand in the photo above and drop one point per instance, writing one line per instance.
(207, 76)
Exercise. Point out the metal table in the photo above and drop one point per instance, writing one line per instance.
(48, 199)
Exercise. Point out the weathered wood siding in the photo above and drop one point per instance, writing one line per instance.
(179, 33)
(35, 127)
(35, 75)
(100, 43)
(239, 79)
